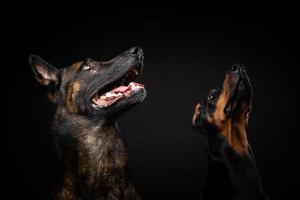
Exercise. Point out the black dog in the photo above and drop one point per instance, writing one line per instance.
(232, 171)
(89, 96)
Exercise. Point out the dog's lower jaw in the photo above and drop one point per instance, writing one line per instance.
(96, 168)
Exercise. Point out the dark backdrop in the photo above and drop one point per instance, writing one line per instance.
(187, 52)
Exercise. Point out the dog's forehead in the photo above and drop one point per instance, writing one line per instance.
(69, 72)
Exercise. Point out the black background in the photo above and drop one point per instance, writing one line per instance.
(187, 49)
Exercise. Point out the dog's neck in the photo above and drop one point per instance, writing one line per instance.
(233, 130)
(230, 142)
(231, 173)
(220, 147)
(236, 136)
(93, 154)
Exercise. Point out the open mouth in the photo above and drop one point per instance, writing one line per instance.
(118, 90)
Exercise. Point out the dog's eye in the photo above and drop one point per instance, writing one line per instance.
(86, 67)
(210, 97)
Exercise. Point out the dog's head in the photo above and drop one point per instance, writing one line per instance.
(93, 88)
(225, 109)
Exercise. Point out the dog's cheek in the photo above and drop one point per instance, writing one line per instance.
(71, 97)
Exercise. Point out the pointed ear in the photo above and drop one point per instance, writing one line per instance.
(196, 121)
(44, 72)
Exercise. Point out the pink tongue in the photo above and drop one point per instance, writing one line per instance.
(120, 89)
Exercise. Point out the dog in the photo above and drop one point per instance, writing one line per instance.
(223, 118)
(88, 97)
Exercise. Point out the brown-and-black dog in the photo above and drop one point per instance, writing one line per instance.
(223, 117)
(89, 96)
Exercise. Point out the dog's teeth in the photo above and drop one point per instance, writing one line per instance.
(108, 94)
(136, 72)
(132, 86)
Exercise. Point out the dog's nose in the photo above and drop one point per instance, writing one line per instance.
(234, 68)
(136, 51)
(238, 68)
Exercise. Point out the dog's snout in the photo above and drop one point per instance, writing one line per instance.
(136, 51)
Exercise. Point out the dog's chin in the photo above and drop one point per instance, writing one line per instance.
(126, 104)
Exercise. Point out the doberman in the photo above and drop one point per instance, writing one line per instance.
(89, 96)
(223, 118)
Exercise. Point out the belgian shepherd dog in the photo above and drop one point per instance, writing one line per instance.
(88, 97)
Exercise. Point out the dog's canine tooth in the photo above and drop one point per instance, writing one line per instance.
(135, 72)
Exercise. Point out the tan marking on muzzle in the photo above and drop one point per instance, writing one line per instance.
(233, 127)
